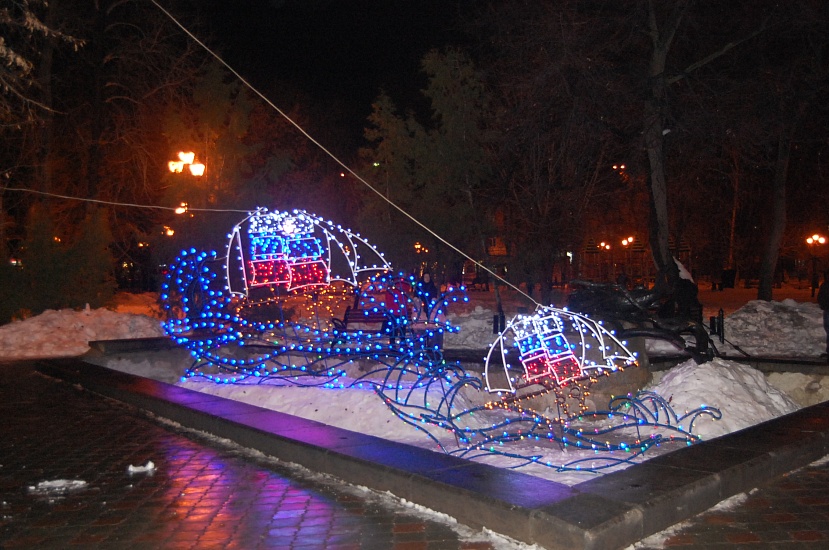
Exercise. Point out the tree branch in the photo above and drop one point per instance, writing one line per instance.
(722, 51)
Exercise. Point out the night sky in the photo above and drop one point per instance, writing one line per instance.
(336, 51)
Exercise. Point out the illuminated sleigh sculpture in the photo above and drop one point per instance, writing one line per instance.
(275, 305)
(271, 312)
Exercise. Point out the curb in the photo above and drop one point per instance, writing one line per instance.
(609, 511)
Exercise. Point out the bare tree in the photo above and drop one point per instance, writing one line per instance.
(796, 85)
(553, 66)
(29, 37)
(661, 32)
(633, 73)
(103, 136)
(27, 26)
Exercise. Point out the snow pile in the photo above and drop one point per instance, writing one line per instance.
(476, 329)
(67, 333)
(57, 487)
(147, 468)
(786, 328)
(356, 409)
(740, 392)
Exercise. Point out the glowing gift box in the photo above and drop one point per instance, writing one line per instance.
(283, 250)
(546, 353)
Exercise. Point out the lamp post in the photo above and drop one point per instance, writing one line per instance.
(606, 262)
(627, 244)
(813, 241)
(194, 168)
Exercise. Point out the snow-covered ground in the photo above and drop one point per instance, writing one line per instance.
(67, 333)
(743, 394)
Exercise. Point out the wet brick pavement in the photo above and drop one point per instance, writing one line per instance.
(790, 513)
(207, 494)
(202, 494)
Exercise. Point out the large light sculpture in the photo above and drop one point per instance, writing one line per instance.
(298, 300)
(290, 282)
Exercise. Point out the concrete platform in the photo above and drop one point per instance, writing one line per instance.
(610, 511)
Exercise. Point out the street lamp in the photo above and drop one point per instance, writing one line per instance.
(814, 241)
(186, 159)
(605, 261)
(621, 169)
(627, 268)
